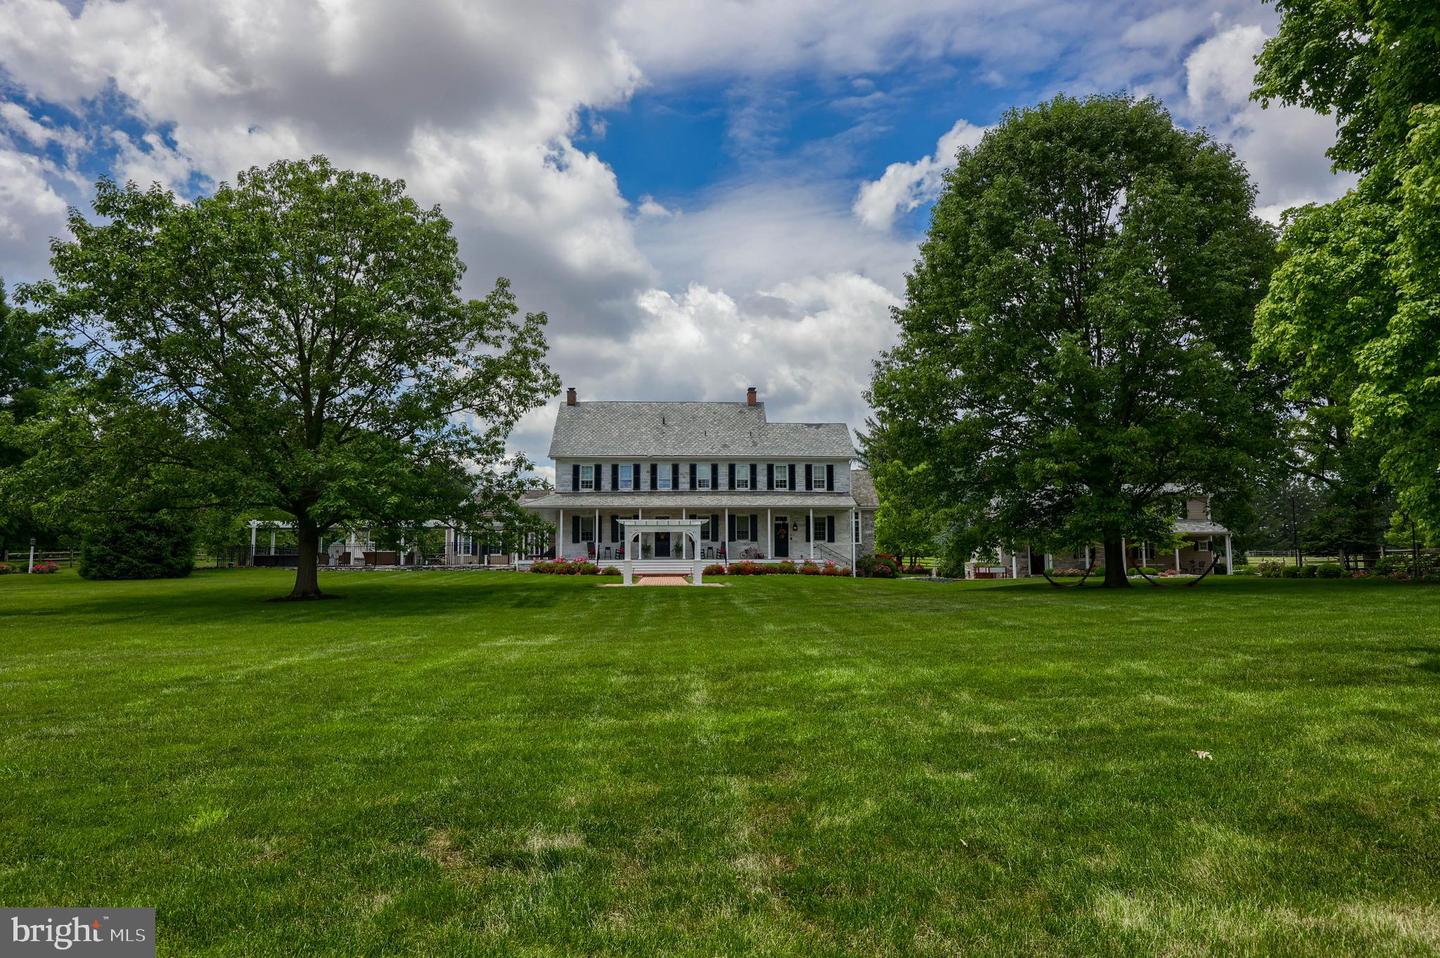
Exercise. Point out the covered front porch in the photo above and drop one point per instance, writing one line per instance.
(725, 533)
(1194, 552)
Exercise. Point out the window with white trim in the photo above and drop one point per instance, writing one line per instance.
(587, 477)
(817, 477)
(702, 475)
(627, 475)
(742, 476)
(742, 523)
(662, 475)
(782, 475)
(855, 529)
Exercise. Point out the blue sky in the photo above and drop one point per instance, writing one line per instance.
(701, 195)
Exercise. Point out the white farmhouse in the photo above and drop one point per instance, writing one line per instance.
(740, 486)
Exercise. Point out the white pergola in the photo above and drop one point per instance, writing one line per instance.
(686, 528)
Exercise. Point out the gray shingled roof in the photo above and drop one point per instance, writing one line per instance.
(674, 429)
(694, 501)
(862, 487)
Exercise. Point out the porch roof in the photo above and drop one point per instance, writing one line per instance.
(692, 500)
(1200, 527)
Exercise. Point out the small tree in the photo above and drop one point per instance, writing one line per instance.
(905, 523)
(294, 342)
(155, 546)
(1075, 342)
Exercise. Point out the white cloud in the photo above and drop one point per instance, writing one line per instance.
(31, 212)
(905, 186)
(1283, 147)
(807, 344)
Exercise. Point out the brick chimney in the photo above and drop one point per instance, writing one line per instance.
(570, 396)
(750, 396)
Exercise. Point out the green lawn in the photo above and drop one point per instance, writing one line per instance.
(478, 764)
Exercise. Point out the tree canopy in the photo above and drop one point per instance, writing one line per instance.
(1370, 62)
(296, 341)
(32, 361)
(1075, 341)
(1354, 312)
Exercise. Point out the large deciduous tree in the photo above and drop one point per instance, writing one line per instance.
(297, 342)
(1075, 342)
(1354, 313)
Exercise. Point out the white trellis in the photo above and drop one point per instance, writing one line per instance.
(688, 529)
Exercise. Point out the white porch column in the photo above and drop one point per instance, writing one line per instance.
(1229, 556)
(1087, 555)
(595, 533)
(726, 533)
(1124, 554)
(272, 541)
(1014, 565)
(769, 536)
(852, 541)
(402, 550)
(560, 536)
(253, 527)
(812, 535)
(1177, 558)
(684, 539)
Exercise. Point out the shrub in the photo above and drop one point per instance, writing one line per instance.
(1330, 570)
(45, 568)
(155, 545)
(882, 571)
(745, 567)
(1289, 572)
(611, 570)
(6, 568)
(1270, 570)
(714, 568)
(1308, 571)
(832, 569)
(809, 568)
(784, 568)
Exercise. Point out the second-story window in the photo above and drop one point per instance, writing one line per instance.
(627, 476)
(782, 476)
(587, 477)
(742, 475)
(817, 473)
(702, 475)
(662, 476)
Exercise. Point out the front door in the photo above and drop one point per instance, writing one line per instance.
(782, 537)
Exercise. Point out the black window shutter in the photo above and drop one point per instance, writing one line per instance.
(635, 477)
(614, 475)
(769, 475)
(730, 526)
(830, 478)
(714, 526)
(675, 475)
(807, 528)
(614, 529)
(829, 528)
(714, 475)
(754, 525)
(654, 475)
(599, 474)
(809, 477)
(791, 471)
(693, 467)
(732, 486)
(754, 476)
(575, 477)
(574, 528)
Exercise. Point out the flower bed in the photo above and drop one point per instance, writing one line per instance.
(567, 567)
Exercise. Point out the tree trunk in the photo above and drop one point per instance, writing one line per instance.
(307, 574)
(1115, 577)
